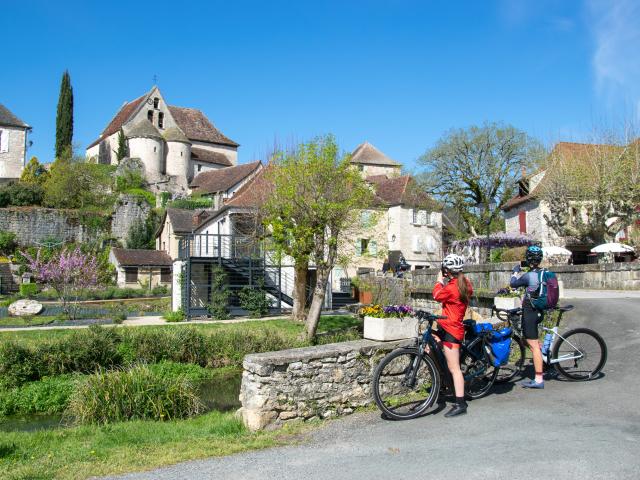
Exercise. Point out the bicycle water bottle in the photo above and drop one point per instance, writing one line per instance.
(546, 346)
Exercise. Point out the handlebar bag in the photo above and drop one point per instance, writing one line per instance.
(500, 342)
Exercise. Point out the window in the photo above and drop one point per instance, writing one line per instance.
(160, 120)
(199, 168)
(165, 275)
(365, 218)
(4, 141)
(419, 217)
(150, 115)
(361, 168)
(155, 149)
(362, 246)
(131, 274)
(156, 101)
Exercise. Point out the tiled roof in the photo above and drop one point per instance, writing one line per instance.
(207, 156)
(401, 191)
(365, 153)
(252, 194)
(181, 219)
(132, 258)
(174, 134)
(223, 179)
(8, 119)
(196, 126)
(123, 115)
(143, 129)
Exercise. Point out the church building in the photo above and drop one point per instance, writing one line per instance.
(174, 143)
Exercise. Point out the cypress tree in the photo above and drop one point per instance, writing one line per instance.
(64, 116)
(123, 148)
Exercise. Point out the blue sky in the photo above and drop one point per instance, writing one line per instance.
(396, 73)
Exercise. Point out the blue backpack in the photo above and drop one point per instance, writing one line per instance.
(548, 293)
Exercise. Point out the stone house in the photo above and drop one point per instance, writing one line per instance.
(13, 145)
(370, 162)
(174, 143)
(141, 268)
(525, 212)
(223, 183)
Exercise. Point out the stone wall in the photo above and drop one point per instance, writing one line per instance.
(129, 210)
(494, 276)
(312, 382)
(33, 225)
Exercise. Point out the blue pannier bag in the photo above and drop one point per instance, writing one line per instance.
(479, 328)
(500, 345)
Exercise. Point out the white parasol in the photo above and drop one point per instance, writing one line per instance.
(553, 250)
(612, 248)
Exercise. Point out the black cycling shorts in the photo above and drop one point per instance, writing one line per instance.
(531, 318)
(446, 338)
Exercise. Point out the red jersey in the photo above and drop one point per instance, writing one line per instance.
(452, 307)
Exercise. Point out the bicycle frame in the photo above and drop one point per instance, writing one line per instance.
(548, 359)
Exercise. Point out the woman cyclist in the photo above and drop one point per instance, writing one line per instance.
(453, 290)
(531, 316)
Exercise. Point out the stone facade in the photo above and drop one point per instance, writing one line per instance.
(33, 225)
(129, 210)
(12, 152)
(306, 383)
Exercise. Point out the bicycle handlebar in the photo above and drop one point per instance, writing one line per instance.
(428, 316)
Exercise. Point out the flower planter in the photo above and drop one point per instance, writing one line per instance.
(507, 302)
(387, 329)
(365, 297)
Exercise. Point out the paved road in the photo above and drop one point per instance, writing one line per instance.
(569, 430)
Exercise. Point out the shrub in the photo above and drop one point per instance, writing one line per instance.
(49, 395)
(8, 243)
(220, 294)
(135, 394)
(28, 290)
(159, 290)
(177, 316)
(193, 203)
(21, 194)
(17, 364)
(513, 254)
(255, 301)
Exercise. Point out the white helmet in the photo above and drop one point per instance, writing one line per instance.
(454, 263)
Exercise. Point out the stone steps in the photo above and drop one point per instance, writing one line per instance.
(7, 285)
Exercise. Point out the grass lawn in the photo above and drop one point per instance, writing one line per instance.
(81, 452)
(286, 326)
(26, 321)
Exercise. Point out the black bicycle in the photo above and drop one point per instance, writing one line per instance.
(578, 354)
(408, 380)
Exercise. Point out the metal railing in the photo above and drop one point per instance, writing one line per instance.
(211, 245)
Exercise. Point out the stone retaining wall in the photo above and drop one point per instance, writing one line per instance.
(312, 382)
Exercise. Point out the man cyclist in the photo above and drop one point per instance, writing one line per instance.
(531, 316)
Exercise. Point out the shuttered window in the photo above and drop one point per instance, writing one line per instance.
(4, 141)
(131, 274)
(165, 275)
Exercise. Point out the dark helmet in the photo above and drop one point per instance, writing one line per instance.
(534, 255)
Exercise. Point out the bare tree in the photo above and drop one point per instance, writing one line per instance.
(593, 190)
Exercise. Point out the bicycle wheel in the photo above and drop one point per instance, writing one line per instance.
(584, 353)
(517, 354)
(397, 392)
(479, 374)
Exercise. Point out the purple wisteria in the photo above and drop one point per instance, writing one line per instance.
(67, 272)
(495, 240)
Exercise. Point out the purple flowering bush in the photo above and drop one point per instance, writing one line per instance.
(496, 240)
(67, 273)
(397, 311)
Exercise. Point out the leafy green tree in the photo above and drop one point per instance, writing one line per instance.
(64, 116)
(314, 198)
(123, 147)
(76, 184)
(34, 172)
(220, 294)
(141, 234)
(472, 168)
(7, 243)
(21, 194)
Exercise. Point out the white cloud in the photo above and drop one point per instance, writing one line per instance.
(616, 58)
